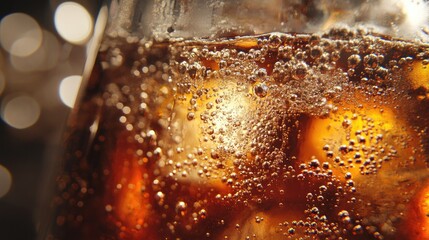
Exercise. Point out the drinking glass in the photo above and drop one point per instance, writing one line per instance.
(224, 119)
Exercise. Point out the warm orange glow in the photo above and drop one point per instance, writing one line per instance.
(417, 220)
(125, 199)
(211, 64)
(340, 128)
(246, 43)
(424, 212)
(419, 75)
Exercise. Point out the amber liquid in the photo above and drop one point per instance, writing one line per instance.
(275, 136)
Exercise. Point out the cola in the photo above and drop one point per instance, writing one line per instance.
(273, 136)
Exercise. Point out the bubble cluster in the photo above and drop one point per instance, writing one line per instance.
(274, 136)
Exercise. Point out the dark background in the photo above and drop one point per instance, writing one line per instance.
(30, 153)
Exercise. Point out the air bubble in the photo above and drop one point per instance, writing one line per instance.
(316, 52)
(262, 72)
(357, 230)
(353, 60)
(370, 61)
(314, 163)
(190, 116)
(314, 210)
(214, 155)
(344, 216)
(108, 208)
(261, 90)
(381, 73)
(274, 40)
(348, 175)
(300, 71)
(222, 64)
(181, 208)
(183, 67)
(346, 123)
(203, 213)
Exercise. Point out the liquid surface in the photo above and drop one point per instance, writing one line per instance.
(274, 136)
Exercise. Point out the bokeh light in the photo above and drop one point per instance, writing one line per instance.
(20, 112)
(2, 82)
(69, 88)
(36, 53)
(73, 22)
(44, 58)
(5, 181)
(20, 34)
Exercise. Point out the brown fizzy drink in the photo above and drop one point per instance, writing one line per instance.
(273, 136)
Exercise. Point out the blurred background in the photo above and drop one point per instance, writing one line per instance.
(44, 45)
